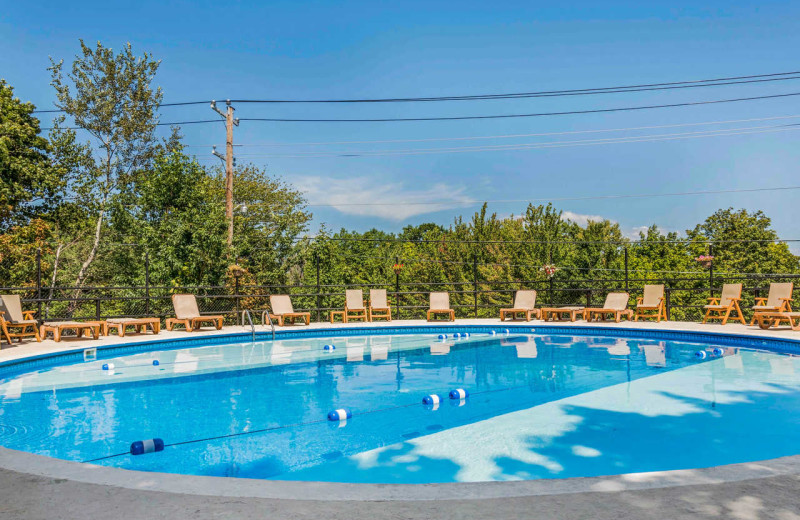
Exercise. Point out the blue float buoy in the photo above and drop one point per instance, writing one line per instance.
(506, 332)
(431, 400)
(457, 335)
(458, 393)
(156, 363)
(717, 351)
(700, 354)
(147, 446)
(493, 333)
(329, 347)
(342, 414)
(108, 366)
(466, 334)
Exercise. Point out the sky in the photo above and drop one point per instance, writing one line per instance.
(339, 50)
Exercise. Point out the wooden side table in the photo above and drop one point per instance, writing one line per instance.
(342, 314)
(139, 324)
(95, 328)
(561, 313)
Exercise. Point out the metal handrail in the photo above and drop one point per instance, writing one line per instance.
(246, 312)
(266, 315)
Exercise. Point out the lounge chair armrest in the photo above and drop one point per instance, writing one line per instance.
(762, 301)
(786, 299)
(713, 300)
(639, 300)
(28, 315)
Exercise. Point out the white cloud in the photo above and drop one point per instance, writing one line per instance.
(372, 197)
(581, 219)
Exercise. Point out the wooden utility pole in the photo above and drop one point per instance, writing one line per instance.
(229, 162)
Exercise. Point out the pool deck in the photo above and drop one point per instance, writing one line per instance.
(38, 487)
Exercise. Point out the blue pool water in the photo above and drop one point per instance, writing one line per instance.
(540, 406)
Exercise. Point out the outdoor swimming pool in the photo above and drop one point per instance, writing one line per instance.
(540, 405)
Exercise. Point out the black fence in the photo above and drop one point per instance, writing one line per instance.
(685, 296)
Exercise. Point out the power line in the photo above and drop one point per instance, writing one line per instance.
(535, 146)
(495, 116)
(509, 116)
(181, 103)
(713, 82)
(552, 93)
(504, 136)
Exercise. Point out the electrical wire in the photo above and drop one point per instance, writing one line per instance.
(467, 118)
(713, 82)
(502, 136)
(510, 116)
(525, 95)
(546, 144)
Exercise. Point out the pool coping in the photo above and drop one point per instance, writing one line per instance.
(24, 462)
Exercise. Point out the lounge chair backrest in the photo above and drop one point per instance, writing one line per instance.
(617, 301)
(185, 306)
(778, 291)
(280, 304)
(377, 299)
(12, 307)
(354, 299)
(730, 292)
(440, 301)
(652, 295)
(525, 299)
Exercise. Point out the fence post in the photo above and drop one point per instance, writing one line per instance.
(668, 302)
(626, 269)
(711, 272)
(475, 285)
(236, 295)
(319, 298)
(39, 283)
(147, 283)
(97, 308)
(397, 285)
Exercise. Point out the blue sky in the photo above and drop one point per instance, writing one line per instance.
(373, 49)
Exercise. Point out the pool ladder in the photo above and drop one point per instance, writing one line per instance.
(267, 318)
(246, 312)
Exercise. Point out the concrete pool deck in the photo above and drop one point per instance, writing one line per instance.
(38, 487)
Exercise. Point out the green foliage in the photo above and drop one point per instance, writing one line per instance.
(25, 177)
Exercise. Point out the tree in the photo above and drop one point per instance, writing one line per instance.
(26, 181)
(742, 242)
(110, 96)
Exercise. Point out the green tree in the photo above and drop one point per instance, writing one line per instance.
(742, 242)
(26, 180)
(110, 96)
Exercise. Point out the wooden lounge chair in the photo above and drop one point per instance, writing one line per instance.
(379, 305)
(57, 328)
(188, 314)
(524, 303)
(779, 299)
(722, 307)
(440, 304)
(616, 304)
(139, 325)
(354, 308)
(282, 310)
(767, 319)
(12, 317)
(651, 301)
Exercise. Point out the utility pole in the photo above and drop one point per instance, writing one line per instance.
(230, 162)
